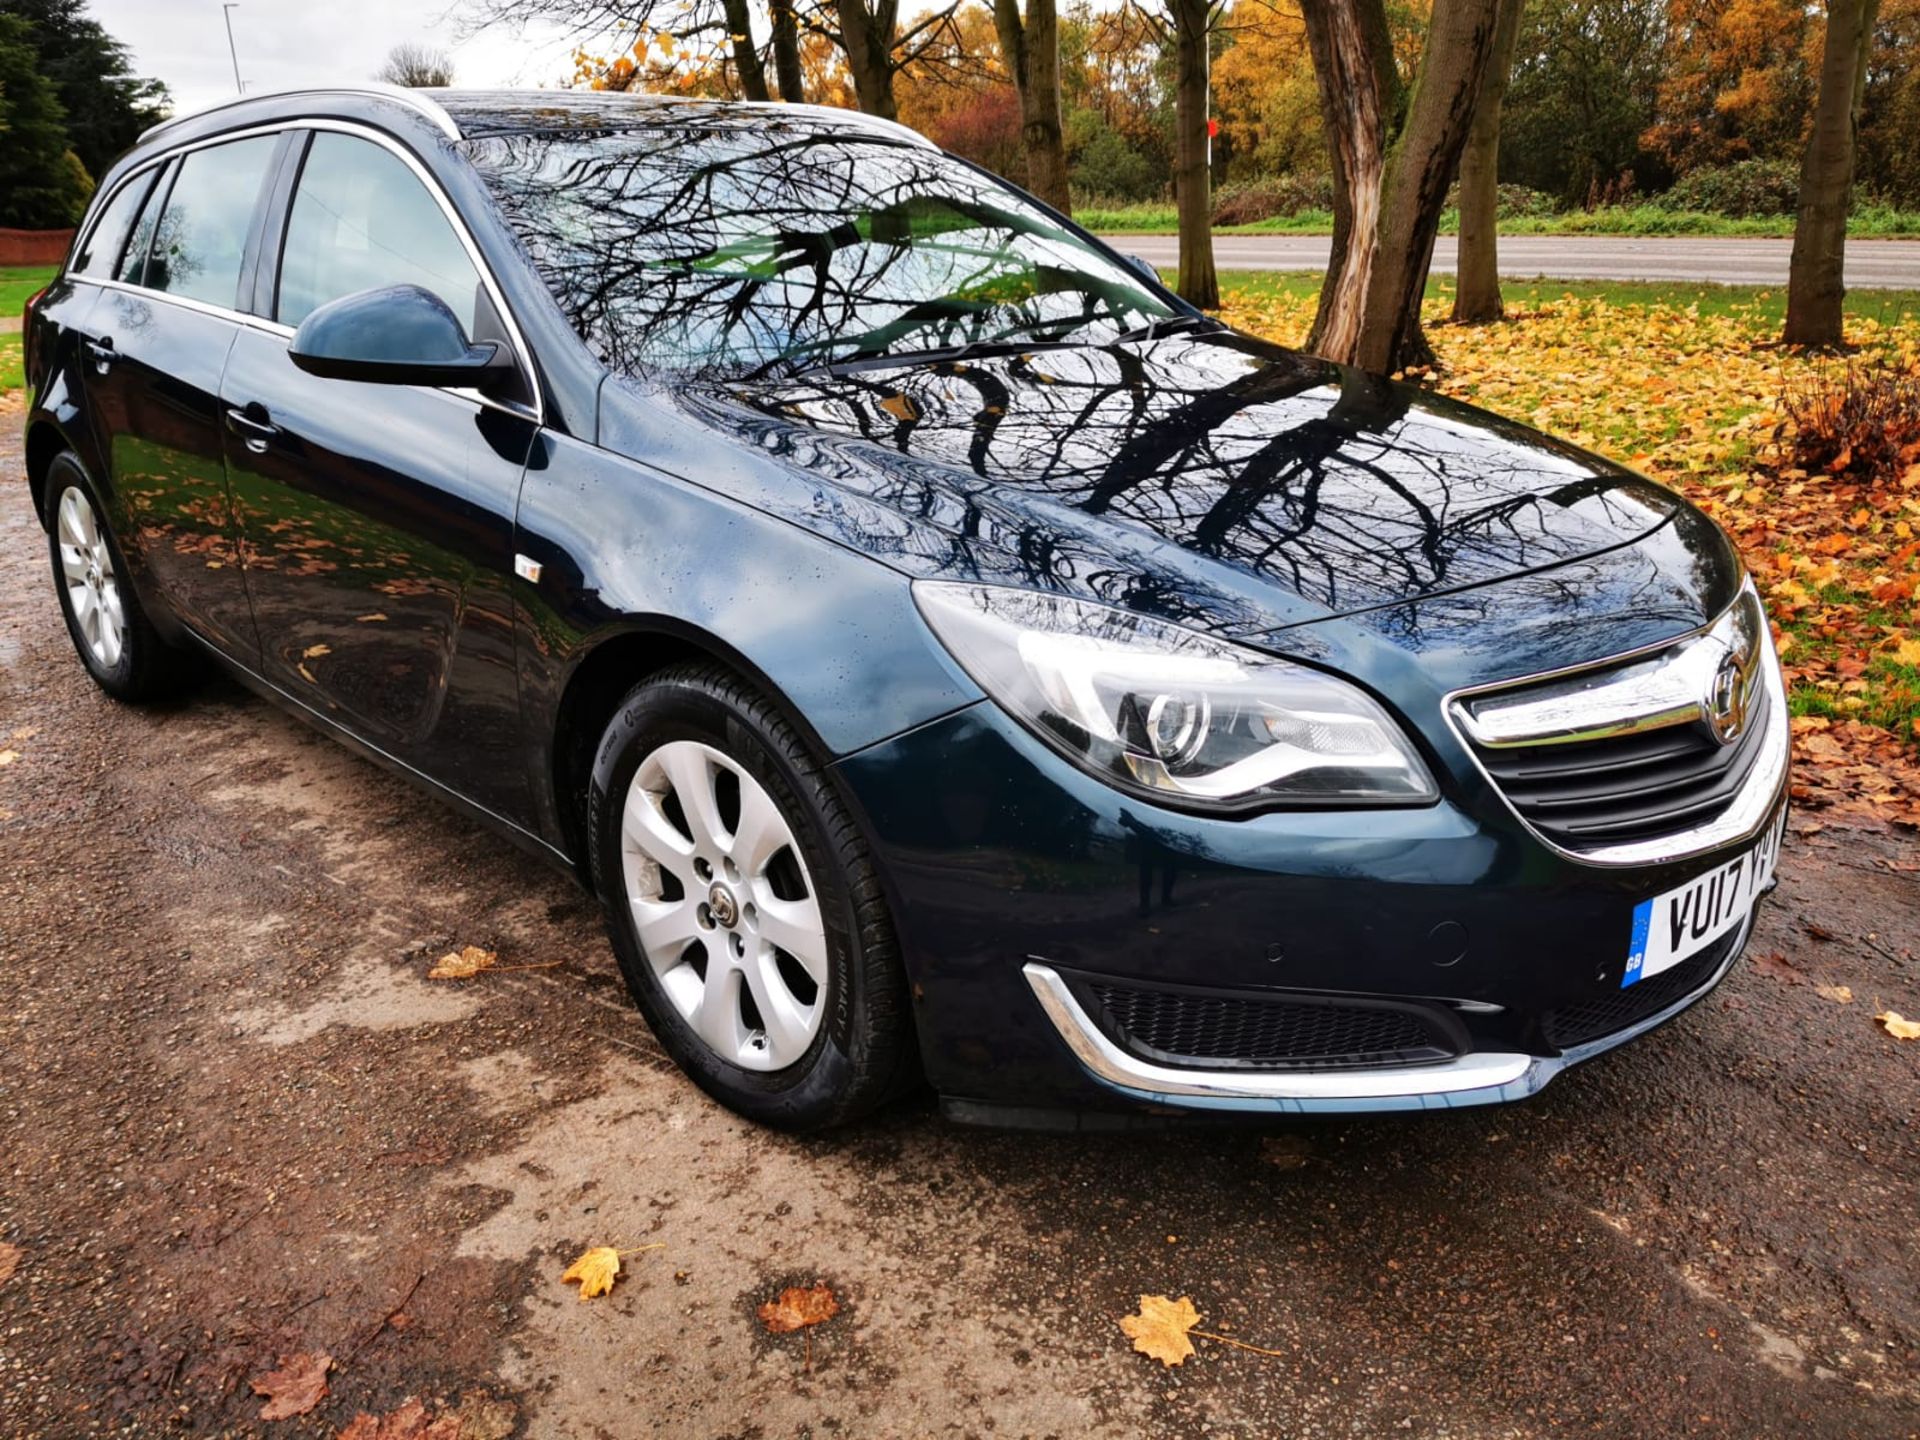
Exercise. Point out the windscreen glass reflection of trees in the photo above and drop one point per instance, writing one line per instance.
(728, 254)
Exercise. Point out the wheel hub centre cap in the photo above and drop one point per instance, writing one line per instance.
(726, 910)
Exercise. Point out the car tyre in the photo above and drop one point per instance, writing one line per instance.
(111, 632)
(769, 967)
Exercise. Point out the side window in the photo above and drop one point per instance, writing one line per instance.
(362, 220)
(102, 247)
(202, 235)
(133, 260)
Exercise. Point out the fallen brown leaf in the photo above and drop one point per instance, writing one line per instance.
(295, 1388)
(1898, 1026)
(463, 964)
(1779, 967)
(799, 1309)
(1286, 1152)
(9, 1261)
(1839, 994)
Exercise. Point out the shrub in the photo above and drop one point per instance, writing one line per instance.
(1860, 421)
(1516, 202)
(1740, 190)
(1272, 198)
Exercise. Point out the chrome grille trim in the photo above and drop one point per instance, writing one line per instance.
(1634, 696)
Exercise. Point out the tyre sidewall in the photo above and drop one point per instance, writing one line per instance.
(810, 1092)
(66, 473)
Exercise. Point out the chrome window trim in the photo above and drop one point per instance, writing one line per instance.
(1742, 821)
(523, 356)
(414, 100)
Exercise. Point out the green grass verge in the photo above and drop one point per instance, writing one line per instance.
(12, 372)
(16, 284)
(1765, 305)
(1873, 222)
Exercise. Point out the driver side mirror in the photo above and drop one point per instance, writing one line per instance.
(398, 335)
(1145, 267)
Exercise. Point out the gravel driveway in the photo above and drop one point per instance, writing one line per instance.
(237, 1123)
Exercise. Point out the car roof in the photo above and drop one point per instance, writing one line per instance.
(472, 114)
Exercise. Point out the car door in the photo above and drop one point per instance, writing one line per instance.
(378, 519)
(158, 341)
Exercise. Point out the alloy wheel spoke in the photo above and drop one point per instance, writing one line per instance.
(718, 1018)
(667, 928)
(794, 925)
(788, 1026)
(73, 563)
(761, 833)
(692, 774)
(647, 830)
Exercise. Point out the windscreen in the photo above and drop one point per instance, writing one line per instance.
(728, 253)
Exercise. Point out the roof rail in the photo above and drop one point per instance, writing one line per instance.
(416, 100)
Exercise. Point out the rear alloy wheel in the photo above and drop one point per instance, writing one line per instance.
(743, 906)
(111, 632)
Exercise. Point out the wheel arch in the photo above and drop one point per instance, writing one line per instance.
(603, 675)
(45, 443)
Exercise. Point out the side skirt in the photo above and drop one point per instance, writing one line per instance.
(528, 841)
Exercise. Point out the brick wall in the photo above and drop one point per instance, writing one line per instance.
(34, 247)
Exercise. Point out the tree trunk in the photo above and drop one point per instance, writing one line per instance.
(866, 35)
(1352, 52)
(1370, 304)
(1477, 299)
(1192, 184)
(786, 51)
(1816, 285)
(746, 57)
(1031, 52)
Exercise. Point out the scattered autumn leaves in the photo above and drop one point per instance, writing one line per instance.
(597, 1269)
(1700, 399)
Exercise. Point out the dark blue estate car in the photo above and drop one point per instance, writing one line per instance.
(944, 652)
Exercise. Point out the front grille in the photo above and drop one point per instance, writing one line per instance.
(1606, 1014)
(1640, 786)
(1208, 1028)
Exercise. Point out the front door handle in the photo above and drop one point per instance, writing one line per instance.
(103, 353)
(252, 426)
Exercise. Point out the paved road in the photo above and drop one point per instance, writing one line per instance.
(238, 1123)
(1871, 264)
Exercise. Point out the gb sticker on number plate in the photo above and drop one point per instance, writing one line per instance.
(1681, 923)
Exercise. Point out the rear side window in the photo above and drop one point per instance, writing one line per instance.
(361, 220)
(102, 248)
(202, 235)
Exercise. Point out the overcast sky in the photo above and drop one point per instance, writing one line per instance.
(303, 42)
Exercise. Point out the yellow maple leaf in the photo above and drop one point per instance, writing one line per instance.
(462, 964)
(1160, 1328)
(7, 757)
(1898, 1026)
(1907, 652)
(594, 1270)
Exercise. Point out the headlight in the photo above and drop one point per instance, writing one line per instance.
(1187, 718)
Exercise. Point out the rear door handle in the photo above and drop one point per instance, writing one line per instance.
(255, 429)
(102, 352)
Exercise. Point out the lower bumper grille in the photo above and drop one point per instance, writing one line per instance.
(1228, 1030)
(1608, 1014)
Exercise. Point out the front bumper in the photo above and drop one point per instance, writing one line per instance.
(1009, 869)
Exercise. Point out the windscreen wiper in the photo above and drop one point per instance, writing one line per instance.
(1170, 325)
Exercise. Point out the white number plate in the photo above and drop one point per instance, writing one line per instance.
(1672, 927)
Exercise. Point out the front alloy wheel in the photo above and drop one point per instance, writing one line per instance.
(727, 916)
(743, 906)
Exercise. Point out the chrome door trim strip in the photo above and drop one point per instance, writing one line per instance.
(523, 356)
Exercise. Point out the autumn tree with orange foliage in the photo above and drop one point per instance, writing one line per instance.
(1740, 81)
